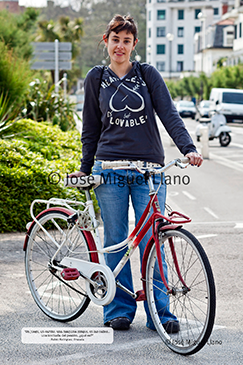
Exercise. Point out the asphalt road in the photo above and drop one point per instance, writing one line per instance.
(213, 199)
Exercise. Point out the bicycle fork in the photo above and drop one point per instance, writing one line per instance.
(173, 290)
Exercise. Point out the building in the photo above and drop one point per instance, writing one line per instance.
(171, 29)
(223, 41)
(213, 45)
(11, 5)
(236, 56)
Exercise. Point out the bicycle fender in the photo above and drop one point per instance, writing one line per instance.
(144, 262)
(88, 235)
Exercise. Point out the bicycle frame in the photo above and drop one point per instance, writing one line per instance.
(143, 227)
(156, 220)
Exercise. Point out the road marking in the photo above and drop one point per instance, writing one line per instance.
(208, 210)
(226, 162)
(206, 236)
(237, 145)
(238, 225)
(173, 193)
(189, 195)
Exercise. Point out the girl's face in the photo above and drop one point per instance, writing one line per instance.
(120, 46)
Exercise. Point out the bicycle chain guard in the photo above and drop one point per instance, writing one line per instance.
(105, 291)
(100, 282)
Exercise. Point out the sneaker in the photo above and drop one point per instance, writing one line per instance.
(120, 323)
(170, 326)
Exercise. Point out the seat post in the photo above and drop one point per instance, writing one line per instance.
(87, 194)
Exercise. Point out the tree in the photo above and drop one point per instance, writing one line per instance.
(95, 23)
(65, 30)
(96, 15)
(17, 31)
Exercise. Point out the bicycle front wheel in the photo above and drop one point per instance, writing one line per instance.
(59, 299)
(192, 301)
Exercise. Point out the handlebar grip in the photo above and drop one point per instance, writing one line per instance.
(185, 160)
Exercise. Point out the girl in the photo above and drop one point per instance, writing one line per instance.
(119, 124)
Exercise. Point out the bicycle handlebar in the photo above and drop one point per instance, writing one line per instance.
(138, 165)
(85, 182)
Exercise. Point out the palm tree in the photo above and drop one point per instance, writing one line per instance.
(65, 30)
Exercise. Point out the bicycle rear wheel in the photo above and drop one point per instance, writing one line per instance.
(59, 299)
(194, 309)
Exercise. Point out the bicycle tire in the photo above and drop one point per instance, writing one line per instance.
(195, 309)
(59, 299)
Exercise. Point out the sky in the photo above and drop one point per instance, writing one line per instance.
(40, 3)
(34, 3)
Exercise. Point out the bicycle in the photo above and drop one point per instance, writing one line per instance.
(65, 265)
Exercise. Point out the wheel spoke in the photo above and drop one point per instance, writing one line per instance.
(58, 298)
(194, 310)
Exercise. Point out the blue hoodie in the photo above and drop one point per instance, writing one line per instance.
(119, 117)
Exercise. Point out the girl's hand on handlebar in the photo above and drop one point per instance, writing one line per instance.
(195, 158)
(77, 174)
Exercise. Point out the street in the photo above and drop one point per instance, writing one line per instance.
(212, 196)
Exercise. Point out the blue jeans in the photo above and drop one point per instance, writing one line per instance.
(113, 200)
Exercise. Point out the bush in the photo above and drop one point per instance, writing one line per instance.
(15, 76)
(43, 104)
(26, 170)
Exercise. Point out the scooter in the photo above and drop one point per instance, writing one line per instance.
(217, 128)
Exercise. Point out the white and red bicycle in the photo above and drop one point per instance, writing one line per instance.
(65, 265)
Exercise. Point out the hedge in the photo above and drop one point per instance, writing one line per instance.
(31, 161)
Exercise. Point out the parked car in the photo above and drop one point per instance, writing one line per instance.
(186, 108)
(203, 108)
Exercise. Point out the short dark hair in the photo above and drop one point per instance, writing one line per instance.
(119, 23)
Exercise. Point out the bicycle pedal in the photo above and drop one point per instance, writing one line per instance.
(140, 296)
(70, 274)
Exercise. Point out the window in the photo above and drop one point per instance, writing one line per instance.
(240, 29)
(228, 38)
(197, 29)
(160, 48)
(197, 11)
(232, 98)
(161, 1)
(149, 32)
(179, 66)
(160, 66)
(216, 11)
(180, 49)
(149, 15)
(235, 31)
(161, 32)
(180, 14)
(161, 15)
(180, 32)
